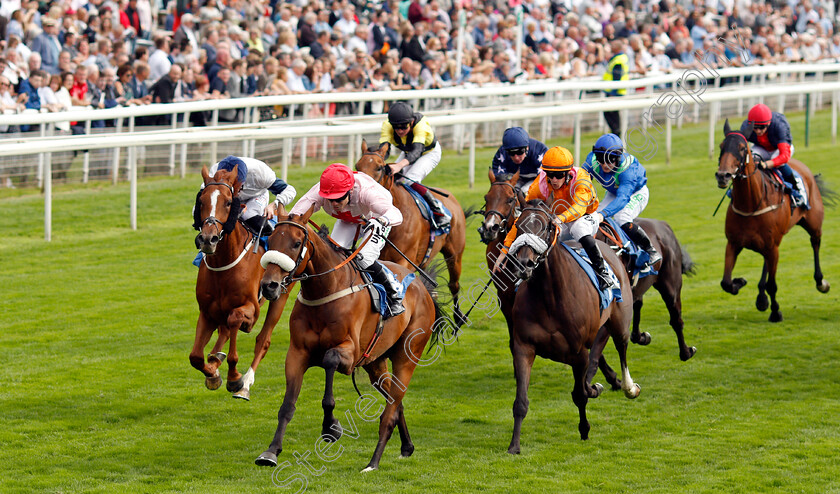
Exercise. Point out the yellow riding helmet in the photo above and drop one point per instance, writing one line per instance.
(557, 159)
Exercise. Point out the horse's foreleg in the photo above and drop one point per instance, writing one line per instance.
(403, 368)
(453, 266)
(297, 361)
(761, 302)
(334, 358)
(233, 376)
(609, 374)
(203, 332)
(631, 389)
(263, 342)
(727, 283)
(771, 259)
(580, 399)
(523, 360)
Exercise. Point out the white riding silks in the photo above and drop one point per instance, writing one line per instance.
(276, 257)
(530, 240)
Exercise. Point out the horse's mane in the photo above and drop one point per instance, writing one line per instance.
(504, 177)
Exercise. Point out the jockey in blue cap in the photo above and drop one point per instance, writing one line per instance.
(519, 153)
(257, 179)
(625, 181)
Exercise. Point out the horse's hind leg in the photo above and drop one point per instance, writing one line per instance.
(815, 232)
(523, 360)
(671, 295)
(771, 259)
(453, 257)
(580, 399)
(631, 389)
(595, 357)
(727, 283)
(333, 359)
(609, 374)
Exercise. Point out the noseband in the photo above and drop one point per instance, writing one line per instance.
(552, 235)
(275, 257)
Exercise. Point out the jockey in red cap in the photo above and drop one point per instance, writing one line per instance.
(356, 200)
(770, 134)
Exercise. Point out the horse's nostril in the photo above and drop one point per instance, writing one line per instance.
(530, 264)
(495, 228)
(273, 285)
(214, 239)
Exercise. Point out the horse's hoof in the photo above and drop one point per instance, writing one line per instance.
(823, 287)
(243, 394)
(234, 386)
(633, 392)
(213, 383)
(737, 284)
(407, 451)
(688, 354)
(267, 459)
(332, 433)
(640, 338)
(776, 316)
(368, 469)
(220, 356)
(513, 450)
(598, 388)
(762, 302)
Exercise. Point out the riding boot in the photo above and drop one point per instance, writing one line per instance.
(605, 281)
(392, 287)
(638, 235)
(441, 219)
(259, 225)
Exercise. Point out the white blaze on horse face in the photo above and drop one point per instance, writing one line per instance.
(214, 199)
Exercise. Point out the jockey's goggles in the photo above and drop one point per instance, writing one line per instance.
(760, 127)
(611, 157)
(401, 126)
(560, 175)
(340, 199)
(517, 151)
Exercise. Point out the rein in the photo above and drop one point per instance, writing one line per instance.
(234, 263)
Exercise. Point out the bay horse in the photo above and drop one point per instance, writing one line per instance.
(759, 215)
(668, 281)
(557, 315)
(412, 236)
(332, 326)
(227, 288)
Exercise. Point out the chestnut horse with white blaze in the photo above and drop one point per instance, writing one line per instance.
(228, 284)
(760, 215)
(333, 326)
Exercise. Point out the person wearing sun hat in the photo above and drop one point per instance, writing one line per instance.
(569, 192)
(362, 208)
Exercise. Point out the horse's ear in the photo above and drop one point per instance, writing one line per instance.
(521, 197)
(364, 146)
(205, 175)
(302, 219)
(726, 128)
(749, 130)
(514, 178)
(384, 149)
(491, 175)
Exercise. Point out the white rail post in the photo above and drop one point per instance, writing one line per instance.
(115, 159)
(712, 111)
(214, 147)
(132, 177)
(667, 141)
(834, 117)
(472, 128)
(43, 133)
(577, 137)
(172, 147)
(246, 119)
(183, 148)
(304, 142)
(86, 157)
(47, 178)
(740, 100)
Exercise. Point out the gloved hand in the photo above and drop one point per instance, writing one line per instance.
(287, 196)
(377, 226)
(598, 217)
(763, 164)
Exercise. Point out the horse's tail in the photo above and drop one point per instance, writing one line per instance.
(829, 195)
(435, 270)
(470, 212)
(688, 266)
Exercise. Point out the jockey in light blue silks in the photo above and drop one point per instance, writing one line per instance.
(625, 182)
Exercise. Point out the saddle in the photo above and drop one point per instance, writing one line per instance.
(636, 259)
(798, 193)
(426, 210)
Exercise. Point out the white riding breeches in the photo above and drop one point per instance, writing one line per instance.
(768, 155)
(344, 233)
(424, 165)
(637, 203)
(255, 206)
(579, 228)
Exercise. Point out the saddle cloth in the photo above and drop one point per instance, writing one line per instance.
(638, 257)
(425, 210)
(607, 296)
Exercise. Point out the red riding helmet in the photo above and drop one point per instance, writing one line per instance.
(760, 114)
(336, 181)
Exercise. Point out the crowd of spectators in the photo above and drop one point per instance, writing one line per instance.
(103, 53)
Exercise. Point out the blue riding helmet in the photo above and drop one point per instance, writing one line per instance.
(515, 137)
(608, 149)
(231, 161)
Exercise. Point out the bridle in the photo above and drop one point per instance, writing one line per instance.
(384, 171)
(552, 235)
(505, 218)
(743, 160)
(221, 228)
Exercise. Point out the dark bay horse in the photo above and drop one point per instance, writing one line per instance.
(412, 236)
(759, 215)
(668, 281)
(228, 285)
(332, 326)
(556, 315)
